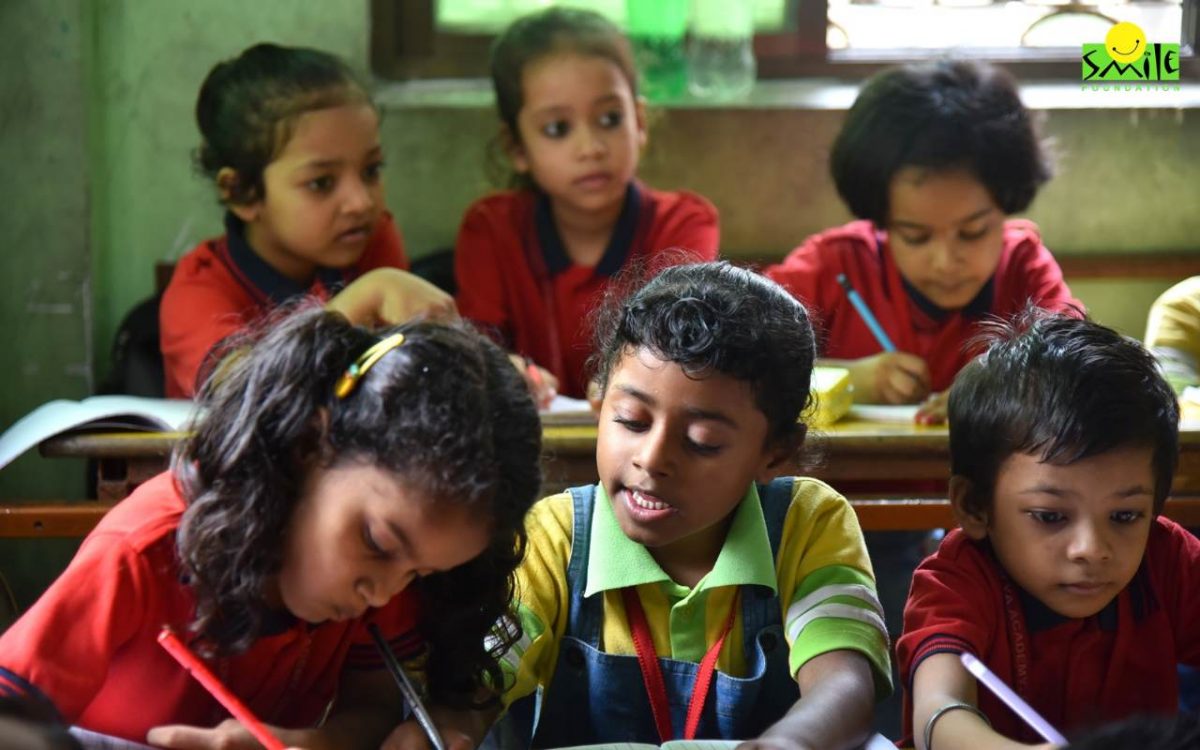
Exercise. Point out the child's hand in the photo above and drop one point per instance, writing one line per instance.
(228, 735)
(933, 409)
(410, 736)
(595, 397)
(890, 378)
(772, 743)
(387, 296)
(543, 386)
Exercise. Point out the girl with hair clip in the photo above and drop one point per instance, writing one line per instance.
(338, 479)
(932, 158)
(291, 140)
(532, 262)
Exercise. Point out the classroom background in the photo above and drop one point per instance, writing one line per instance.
(97, 129)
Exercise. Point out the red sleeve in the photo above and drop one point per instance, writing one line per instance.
(200, 307)
(478, 253)
(947, 608)
(800, 272)
(1180, 571)
(62, 646)
(689, 223)
(386, 248)
(1029, 273)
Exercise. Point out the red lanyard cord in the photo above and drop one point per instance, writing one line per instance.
(652, 672)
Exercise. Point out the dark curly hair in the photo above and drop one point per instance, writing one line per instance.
(537, 35)
(247, 106)
(1063, 388)
(716, 317)
(940, 115)
(446, 410)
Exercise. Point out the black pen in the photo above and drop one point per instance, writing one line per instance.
(406, 688)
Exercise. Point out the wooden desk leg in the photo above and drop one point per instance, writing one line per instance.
(117, 477)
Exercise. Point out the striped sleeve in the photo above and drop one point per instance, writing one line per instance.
(826, 583)
(542, 598)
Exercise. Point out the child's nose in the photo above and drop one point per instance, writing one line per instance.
(654, 454)
(378, 590)
(1089, 544)
(591, 144)
(359, 197)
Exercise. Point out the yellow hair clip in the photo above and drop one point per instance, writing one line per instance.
(349, 379)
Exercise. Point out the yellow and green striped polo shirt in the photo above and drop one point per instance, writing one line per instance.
(822, 576)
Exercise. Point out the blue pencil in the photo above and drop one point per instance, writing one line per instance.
(866, 314)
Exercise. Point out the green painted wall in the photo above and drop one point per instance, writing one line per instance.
(45, 299)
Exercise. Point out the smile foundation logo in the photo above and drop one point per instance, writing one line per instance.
(1127, 57)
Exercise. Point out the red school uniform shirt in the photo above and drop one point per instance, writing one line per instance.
(1026, 272)
(515, 278)
(89, 647)
(222, 285)
(1074, 672)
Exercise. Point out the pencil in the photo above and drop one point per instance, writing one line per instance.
(406, 688)
(1011, 699)
(865, 313)
(192, 663)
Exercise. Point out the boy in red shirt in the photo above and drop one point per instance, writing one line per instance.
(1064, 579)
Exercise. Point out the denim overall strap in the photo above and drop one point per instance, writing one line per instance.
(597, 697)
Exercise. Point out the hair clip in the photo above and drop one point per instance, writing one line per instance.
(349, 379)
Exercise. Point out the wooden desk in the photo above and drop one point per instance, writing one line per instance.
(893, 458)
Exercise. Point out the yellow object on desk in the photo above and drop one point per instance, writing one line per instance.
(832, 395)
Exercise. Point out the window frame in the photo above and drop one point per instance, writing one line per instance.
(405, 45)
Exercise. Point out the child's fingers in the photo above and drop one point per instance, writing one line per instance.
(902, 387)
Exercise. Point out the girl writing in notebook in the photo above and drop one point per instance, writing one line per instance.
(291, 140)
(532, 262)
(339, 479)
(932, 158)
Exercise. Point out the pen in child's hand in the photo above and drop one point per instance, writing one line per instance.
(407, 689)
(1011, 699)
(168, 640)
(534, 373)
(865, 313)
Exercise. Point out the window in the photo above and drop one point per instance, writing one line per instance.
(838, 38)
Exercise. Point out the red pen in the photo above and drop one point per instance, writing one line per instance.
(192, 663)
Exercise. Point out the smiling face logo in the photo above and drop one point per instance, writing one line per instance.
(1125, 42)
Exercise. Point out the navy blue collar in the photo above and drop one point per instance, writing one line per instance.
(620, 245)
(978, 307)
(269, 282)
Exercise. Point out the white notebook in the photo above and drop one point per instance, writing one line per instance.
(95, 413)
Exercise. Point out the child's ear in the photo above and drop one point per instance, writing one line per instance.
(227, 187)
(974, 524)
(780, 457)
(512, 146)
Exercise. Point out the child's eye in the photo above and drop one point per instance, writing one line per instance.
(556, 129)
(971, 236)
(633, 425)
(320, 184)
(611, 119)
(1127, 516)
(703, 449)
(919, 239)
(1048, 517)
(369, 540)
(373, 172)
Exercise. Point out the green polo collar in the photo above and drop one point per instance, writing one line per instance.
(615, 561)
